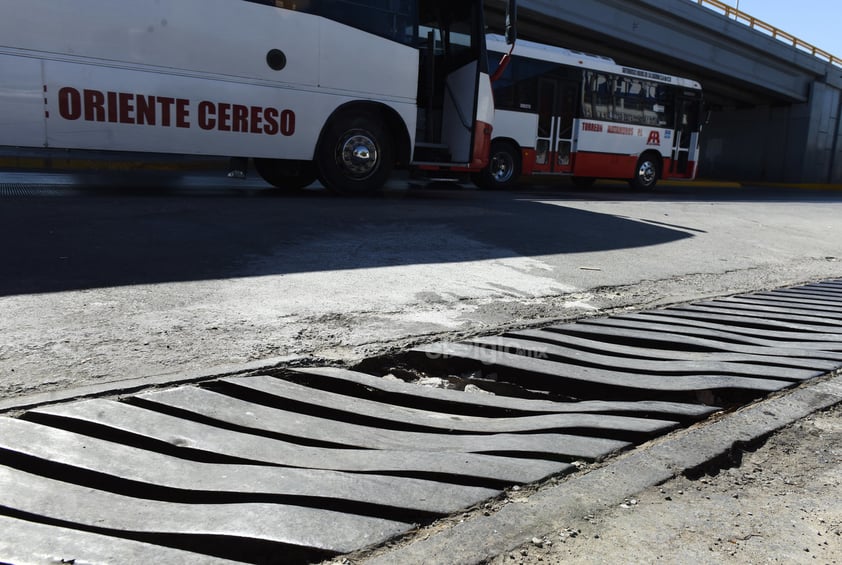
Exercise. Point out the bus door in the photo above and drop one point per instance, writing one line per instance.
(451, 82)
(554, 140)
(686, 133)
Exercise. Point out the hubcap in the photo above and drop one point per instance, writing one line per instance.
(358, 155)
(502, 167)
(647, 172)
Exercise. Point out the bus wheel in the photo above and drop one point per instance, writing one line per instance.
(288, 175)
(355, 154)
(503, 168)
(582, 182)
(646, 173)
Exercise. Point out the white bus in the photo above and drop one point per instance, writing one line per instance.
(339, 90)
(562, 112)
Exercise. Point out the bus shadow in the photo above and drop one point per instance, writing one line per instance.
(104, 238)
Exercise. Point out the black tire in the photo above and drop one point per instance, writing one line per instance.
(503, 170)
(355, 155)
(583, 182)
(647, 172)
(287, 175)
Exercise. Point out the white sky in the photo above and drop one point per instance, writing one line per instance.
(815, 21)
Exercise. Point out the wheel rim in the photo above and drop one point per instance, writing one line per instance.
(502, 167)
(357, 155)
(647, 172)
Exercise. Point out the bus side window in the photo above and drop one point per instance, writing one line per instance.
(588, 94)
(587, 106)
(665, 102)
(601, 95)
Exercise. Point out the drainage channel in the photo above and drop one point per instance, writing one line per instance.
(303, 465)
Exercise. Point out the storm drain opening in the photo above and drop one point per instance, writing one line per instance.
(301, 463)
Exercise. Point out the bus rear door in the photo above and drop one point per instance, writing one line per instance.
(684, 144)
(554, 140)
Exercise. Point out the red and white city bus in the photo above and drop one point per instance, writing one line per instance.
(562, 112)
(340, 90)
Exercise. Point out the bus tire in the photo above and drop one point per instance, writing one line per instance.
(647, 172)
(355, 154)
(503, 169)
(284, 174)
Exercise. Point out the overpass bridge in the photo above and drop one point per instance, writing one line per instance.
(775, 102)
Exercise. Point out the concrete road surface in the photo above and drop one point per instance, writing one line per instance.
(120, 276)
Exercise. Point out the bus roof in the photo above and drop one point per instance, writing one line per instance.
(561, 55)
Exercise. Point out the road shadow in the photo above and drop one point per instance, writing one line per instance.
(152, 230)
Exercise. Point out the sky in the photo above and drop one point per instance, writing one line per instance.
(815, 21)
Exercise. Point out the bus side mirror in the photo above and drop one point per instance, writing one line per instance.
(511, 21)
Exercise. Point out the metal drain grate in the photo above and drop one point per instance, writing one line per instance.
(307, 464)
(28, 190)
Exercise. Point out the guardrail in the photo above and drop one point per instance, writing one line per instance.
(768, 29)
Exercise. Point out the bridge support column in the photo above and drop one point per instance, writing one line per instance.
(823, 152)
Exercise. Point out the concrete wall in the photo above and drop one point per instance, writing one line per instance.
(823, 151)
(784, 143)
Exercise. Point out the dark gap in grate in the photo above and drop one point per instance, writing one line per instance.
(147, 404)
(107, 433)
(290, 405)
(266, 399)
(234, 548)
(747, 322)
(385, 365)
(553, 338)
(745, 336)
(398, 365)
(737, 309)
(655, 343)
(789, 304)
(458, 479)
(142, 490)
(735, 324)
(533, 381)
(612, 364)
(573, 342)
(498, 412)
(659, 330)
(555, 457)
(829, 298)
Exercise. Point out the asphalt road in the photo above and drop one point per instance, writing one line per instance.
(133, 274)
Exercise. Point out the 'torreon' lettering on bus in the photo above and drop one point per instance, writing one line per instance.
(150, 110)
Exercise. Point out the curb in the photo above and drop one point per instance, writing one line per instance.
(49, 163)
(127, 386)
(28, 161)
(480, 538)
